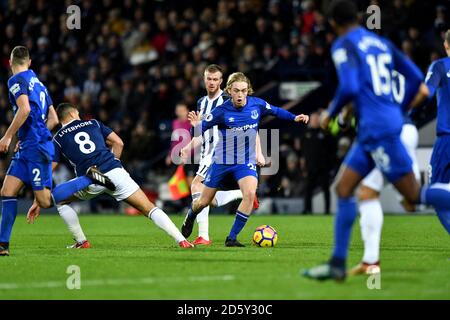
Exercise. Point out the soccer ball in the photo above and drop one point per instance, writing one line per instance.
(265, 236)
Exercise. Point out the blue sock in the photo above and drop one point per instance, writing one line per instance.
(9, 213)
(343, 223)
(64, 190)
(444, 217)
(438, 195)
(239, 222)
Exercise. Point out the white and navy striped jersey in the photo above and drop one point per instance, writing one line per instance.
(210, 137)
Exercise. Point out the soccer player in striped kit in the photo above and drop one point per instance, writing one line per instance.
(213, 77)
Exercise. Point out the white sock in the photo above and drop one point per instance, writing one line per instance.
(203, 223)
(162, 220)
(371, 224)
(224, 197)
(70, 217)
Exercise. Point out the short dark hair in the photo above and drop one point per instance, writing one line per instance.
(20, 55)
(343, 12)
(63, 109)
(212, 68)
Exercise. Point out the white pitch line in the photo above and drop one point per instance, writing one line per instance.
(113, 282)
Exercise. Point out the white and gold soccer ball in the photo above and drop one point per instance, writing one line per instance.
(265, 236)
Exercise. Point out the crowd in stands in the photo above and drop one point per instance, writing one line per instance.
(132, 62)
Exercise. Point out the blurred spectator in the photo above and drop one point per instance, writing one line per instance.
(71, 91)
(138, 151)
(134, 60)
(318, 148)
(92, 86)
(292, 182)
(181, 134)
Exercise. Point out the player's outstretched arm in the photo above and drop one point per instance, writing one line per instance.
(302, 118)
(422, 94)
(23, 110)
(115, 143)
(427, 91)
(52, 118)
(345, 61)
(268, 109)
(411, 72)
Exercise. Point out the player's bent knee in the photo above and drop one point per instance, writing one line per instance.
(202, 203)
(248, 195)
(196, 186)
(366, 193)
(343, 191)
(7, 191)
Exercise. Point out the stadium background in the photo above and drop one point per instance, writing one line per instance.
(132, 62)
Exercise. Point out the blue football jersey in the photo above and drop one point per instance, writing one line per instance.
(35, 138)
(365, 64)
(83, 144)
(438, 81)
(403, 94)
(238, 128)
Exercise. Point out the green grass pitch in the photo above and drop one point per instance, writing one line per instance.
(132, 259)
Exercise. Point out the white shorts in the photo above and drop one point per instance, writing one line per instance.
(410, 139)
(125, 186)
(204, 165)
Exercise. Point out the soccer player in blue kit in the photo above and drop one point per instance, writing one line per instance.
(364, 62)
(234, 156)
(31, 164)
(91, 143)
(438, 82)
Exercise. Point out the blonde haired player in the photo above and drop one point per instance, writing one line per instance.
(213, 78)
(234, 157)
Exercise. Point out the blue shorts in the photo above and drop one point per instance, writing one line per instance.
(36, 174)
(388, 155)
(218, 175)
(440, 160)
